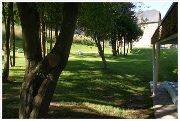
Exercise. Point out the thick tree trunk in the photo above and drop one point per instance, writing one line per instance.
(32, 50)
(5, 73)
(101, 51)
(41, 76)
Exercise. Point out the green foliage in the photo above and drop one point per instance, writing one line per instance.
(80, 39)
(46, 9)
(96, 18)
(15, 12)
(126, 23)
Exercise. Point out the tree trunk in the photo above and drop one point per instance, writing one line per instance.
(43, 37)
(10, 62)
(41, 76)
(4, 15)
(131, 47)
(56, 31)
(49, 29)
(40, 31)
(100, 51)
(128, 48)
(103, 42)
(114, 43)
(124, 44)
(13, 35)
(51, 32)
(119, 49)
(46, 39)
(5, 73)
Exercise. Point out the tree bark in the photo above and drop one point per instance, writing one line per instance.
(4, 15)
(119, 48)
(43, 37)
(113, 39)
(42, 75)
(124, 44)
(56, 31)
(130, 47)
(101, 51)
(5, 73)
(10, 62)
(51, 32)
(40, 31)
(13, 35)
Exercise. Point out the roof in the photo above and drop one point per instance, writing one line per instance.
(151, 15)
(167, 31)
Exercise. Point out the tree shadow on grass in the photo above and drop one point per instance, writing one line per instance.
(75, 112)
(87, 81)
(10, 107)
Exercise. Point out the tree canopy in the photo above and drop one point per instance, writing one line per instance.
(96, 18)
(109, 20)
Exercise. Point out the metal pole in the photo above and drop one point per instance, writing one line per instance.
(157, 67)
(154, 69)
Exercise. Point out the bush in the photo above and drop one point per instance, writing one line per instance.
(81, 39)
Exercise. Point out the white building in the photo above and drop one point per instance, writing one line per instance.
(148, 25)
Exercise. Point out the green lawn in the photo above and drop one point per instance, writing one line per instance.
(86, 90)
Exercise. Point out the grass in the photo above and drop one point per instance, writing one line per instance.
(86, 90)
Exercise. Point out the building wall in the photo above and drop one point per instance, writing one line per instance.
(145, 40)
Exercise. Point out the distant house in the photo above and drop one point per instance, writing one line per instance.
(148, 20)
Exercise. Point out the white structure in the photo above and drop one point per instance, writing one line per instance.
(172, 88)
(79, 50)
(148, 25)
(167, 36)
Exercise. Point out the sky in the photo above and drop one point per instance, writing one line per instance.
(163, 7)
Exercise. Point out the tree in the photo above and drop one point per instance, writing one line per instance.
(127, 25)
(41, 75)
(96, 19)
(135, 33)
(5, 73)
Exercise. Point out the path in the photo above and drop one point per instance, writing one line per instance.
(163, 106)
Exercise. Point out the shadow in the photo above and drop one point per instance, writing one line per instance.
(76, 112)
(124, 86)
(164, 111)
(11, 99)
(10, 108)
(87, 81)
